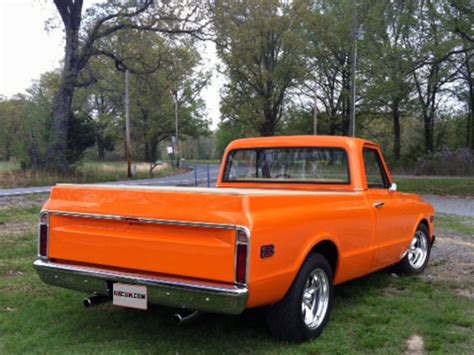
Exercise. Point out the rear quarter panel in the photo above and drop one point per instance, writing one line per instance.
(294, 225)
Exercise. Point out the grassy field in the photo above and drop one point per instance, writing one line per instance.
(376, 314)
(12, 176)
(456, 224)
(462, 186)
(8, 166)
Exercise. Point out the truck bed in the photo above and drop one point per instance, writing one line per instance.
(194, 233)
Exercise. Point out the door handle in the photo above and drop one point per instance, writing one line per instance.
(378, 204)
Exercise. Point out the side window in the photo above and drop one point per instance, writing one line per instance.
(376, 176)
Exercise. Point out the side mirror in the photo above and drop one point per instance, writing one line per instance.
(392, 187)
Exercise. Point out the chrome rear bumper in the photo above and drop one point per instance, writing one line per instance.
(166, 291)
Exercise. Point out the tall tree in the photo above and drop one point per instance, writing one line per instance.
(386, 62)
(159, 67)
(433, 70)
(84, 40)
(260, 43)
(458, 16)
(104, 106)
(328, 51)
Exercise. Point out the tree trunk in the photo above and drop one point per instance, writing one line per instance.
(56, 155)
(428, 128)
(471, 115)
(147, 152)
(154, 151)
(471, 109)
(332, 123)
(267, 128)
(34, 151)
(396, 130)
(100, 147)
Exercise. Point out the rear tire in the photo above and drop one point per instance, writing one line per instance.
(416, 259)
(304, 311)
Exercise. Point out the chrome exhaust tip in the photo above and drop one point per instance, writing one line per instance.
(95, 300)
(181, 318)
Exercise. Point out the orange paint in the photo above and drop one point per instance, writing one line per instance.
(292, 217)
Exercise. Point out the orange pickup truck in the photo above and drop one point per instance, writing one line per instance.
(290, 218)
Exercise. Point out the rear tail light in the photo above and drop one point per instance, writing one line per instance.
(241, 257)
(43, 235)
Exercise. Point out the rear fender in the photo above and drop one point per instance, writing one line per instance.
(281, 282)
(309, 246)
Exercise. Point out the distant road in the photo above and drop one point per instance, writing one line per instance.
(173, 180)
(443, 204)
(460, 206)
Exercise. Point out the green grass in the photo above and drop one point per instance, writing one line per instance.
(29, 214)
(376, 314)
(437, 186)
(455, 224)
(88, 172)
(8, 166)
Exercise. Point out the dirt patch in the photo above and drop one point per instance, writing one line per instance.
(9, 229)
(392, 291)
(415, 345)
(26, 201)
(452, 262)
(12, 273)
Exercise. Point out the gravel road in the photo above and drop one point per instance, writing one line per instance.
(187, 178)
(450, 205)
(460, 206)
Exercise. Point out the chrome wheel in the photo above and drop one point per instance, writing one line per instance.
(315, 302)
(418, 251)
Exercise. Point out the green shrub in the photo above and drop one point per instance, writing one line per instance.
(446, 162)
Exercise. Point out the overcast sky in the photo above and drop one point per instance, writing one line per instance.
(27, 50)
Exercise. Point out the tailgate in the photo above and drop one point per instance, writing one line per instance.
(167, 232)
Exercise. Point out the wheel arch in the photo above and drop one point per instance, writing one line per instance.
(425, 222)
(328, 248)
(423, 219)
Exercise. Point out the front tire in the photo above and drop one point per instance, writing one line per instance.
(416, 259)
(304, 311)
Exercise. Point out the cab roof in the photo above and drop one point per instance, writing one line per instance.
(298, 141)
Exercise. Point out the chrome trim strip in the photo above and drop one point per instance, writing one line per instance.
(145, 220)
(165, 222)
(194, 295)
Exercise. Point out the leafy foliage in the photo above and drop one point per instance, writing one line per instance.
(261, 45)
(287, 68)
(446, 162)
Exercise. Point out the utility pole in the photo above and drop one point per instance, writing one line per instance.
(353, 66)
(175, 93)
(127, 128)
(315, 112)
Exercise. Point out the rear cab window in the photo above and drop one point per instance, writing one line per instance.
(374, 171)
(314, 165)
